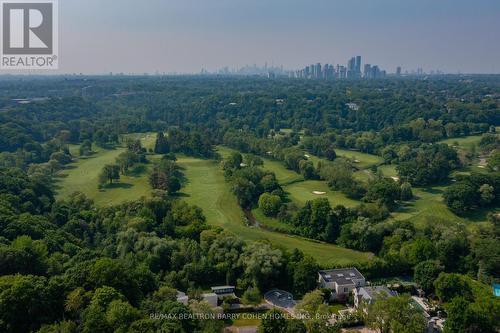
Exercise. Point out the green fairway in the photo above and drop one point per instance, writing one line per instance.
(428, 204)
(301, 192)
(364, 175)
(388, 170)
(147, 139)
(465, 143)
(83, 176)
(283, 175)
(361, 160)
(207, 189)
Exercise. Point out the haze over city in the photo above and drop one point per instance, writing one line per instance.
(185, 36)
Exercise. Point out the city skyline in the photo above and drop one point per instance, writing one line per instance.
(184, 36)
(353, 69)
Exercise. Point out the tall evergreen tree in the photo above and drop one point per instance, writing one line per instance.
(161, 144)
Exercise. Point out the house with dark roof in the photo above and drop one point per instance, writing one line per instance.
(368, 295)
(341, 281)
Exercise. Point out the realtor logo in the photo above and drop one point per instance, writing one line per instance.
(29, 34)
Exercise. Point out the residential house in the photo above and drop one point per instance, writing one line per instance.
(341, 281)
(368, 295)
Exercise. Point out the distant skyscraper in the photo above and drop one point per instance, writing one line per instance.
(351, 64)
(398, 71)
(354, 68)
(375, 72)
(326, 74)
(342, 72)
(317, 71)
(367, 71)
(358, 65)
(331, 72)
(351, 68)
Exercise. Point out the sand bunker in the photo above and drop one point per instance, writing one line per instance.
(319, 192)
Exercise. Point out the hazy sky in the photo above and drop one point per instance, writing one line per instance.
(99, 36)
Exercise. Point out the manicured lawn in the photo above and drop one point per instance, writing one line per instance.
(361, 160)
(147, 139)
(364, 175)
(83, 176)
(207, 189)
(428, 204)
(365, 160)
(388, 170)
(465, 143)
(301, 192)
(283, 175)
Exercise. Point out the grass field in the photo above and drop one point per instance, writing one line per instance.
(361, 160)
(428, 203)
(364, 175)
(301, 192)
(465, 143)
(83, 174)
(388, 170)
(283, 175)
(147, 139)
(365, 160)
(207, 189)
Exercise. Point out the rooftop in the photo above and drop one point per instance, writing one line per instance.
(376, 291)
(342, 276)
(280, 298)
(222, 288)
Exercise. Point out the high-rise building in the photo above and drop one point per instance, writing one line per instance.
(398, 71)
(351, 64)
(354, 68)
(351, 68)
(326, 74)
(331, 72)
(367, 71)
(342, 72)
(375, 72)
(317, 71)
(358, 65)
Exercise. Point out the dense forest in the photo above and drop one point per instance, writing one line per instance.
(72, 265)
